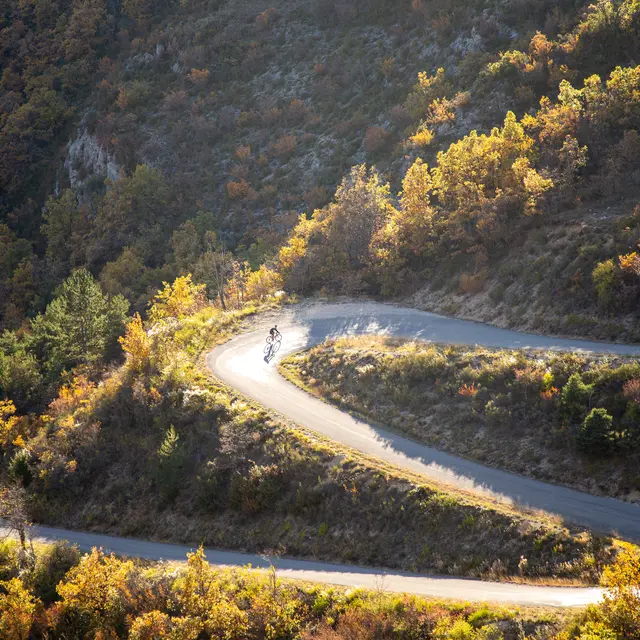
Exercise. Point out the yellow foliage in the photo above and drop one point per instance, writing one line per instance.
(630, 263)
(621, 603)
(155, 625)
(71, 397)
(135, 343)
(17, 610)
(97, 589)
(181, 298)
(200, 598)
(262, 283)
(422, 138)
(8, 422)
(480, 167)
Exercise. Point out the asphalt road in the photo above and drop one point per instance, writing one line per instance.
(241, 364)
(346, 575)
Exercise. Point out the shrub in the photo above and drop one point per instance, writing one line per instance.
(575, 398)
(376, 139)
(175, 100)
(423, 137)
(387, 67)
(259, 489)
(238, 190)
(50, 568)
(198, 77)
(604, 277)
(472, 283)
(631, 390)
(264, 20)
(284, 147)
(19, 467)
(595, 434)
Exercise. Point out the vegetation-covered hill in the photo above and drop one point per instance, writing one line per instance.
(215, 124)
(562, 418)
(159, 450)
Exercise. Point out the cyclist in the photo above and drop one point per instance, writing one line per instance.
(274, 332)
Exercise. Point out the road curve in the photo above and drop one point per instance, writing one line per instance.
(346, 575)
(240, 363)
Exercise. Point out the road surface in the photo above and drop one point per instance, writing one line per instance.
(442, 587)
(241, 364)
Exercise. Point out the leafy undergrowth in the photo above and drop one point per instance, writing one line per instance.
(59, 593)
(161, 450)
(568, 418)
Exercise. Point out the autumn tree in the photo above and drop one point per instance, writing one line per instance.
(200, 599)
(95, 596)
(135, 343)
(18, 608)
(621, 603)
(177, 300)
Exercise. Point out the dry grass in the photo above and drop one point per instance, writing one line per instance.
(467, 400)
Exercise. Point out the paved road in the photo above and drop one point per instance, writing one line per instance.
(240, 363)
(443, 587)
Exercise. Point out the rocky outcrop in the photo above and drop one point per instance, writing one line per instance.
(86, 158)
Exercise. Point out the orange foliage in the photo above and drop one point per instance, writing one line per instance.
(376, 139)
(468, 390)
(72, 396)
(198, 77)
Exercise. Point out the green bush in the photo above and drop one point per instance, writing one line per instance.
(170, 457)
(604, 277)
(50, 568)
(596, 433)
(575, 398)
(19, 467)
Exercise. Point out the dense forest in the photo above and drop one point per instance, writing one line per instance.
(137, 147)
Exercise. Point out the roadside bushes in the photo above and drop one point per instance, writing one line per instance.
(595, 434)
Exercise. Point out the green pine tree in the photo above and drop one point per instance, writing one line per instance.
(80, 324)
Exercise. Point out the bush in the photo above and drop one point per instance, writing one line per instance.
(51, 567)
(376, 139)
(575, 398)
(604, 277)
(19, 467)
(595, 434)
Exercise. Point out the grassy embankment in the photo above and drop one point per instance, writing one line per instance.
(520, 411)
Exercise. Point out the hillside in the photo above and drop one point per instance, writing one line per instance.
(523, 411)
(215, 124)
(158, 449)
(169, 170)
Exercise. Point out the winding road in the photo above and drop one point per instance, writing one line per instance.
(241, 364)
(324, 572)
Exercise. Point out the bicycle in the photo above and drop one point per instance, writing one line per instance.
(273, 345)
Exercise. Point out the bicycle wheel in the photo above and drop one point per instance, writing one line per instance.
(269, 339)
(279, 337)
